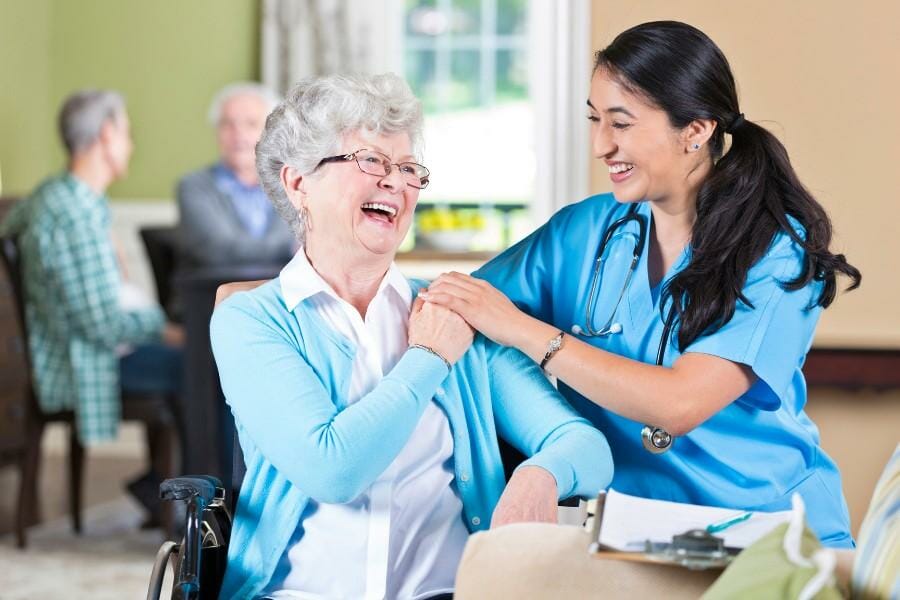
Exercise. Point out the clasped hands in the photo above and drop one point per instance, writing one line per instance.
(478, 302)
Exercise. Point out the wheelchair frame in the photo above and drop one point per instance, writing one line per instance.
(201, 557)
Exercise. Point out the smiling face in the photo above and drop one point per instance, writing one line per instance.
(357, 214)
(647, 158)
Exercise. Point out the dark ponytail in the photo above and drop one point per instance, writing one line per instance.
(751, 191)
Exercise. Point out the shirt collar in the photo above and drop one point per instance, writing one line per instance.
(227, 179)
(299, 281)
(80, 188)
(84, 198)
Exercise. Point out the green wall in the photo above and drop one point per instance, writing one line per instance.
(168, 57)
(26, 114)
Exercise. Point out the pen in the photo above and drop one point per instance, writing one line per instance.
(728, 522)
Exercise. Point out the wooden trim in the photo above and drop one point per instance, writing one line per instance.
(851, 368)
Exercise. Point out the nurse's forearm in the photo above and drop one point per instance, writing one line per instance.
(677, 398)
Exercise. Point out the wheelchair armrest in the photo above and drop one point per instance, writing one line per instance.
(206, 487)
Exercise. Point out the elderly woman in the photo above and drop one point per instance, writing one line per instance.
(369, 420)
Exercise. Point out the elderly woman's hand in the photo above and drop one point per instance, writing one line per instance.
(530, 496)
(478, 302)
(440, 329)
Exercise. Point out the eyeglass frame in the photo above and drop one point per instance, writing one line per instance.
(424, 181)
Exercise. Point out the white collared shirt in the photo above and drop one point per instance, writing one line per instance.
(402, 537)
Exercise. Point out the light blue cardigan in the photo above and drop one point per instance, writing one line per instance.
(285, 375)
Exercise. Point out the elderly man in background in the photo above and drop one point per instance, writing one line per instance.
(92, 334)
(225, 217)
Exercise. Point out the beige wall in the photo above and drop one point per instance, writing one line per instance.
(825, 77)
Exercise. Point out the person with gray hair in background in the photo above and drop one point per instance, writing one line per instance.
(90, 335)
(368, 420)
(225, 218)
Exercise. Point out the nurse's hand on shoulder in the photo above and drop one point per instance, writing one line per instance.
(440, 329)
(478, 302)
(529, 497)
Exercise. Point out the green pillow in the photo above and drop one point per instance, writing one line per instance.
(789, 562)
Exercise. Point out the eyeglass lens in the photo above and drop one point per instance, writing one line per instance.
(375, 163)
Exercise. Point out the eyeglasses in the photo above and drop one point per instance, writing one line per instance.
(379, 165)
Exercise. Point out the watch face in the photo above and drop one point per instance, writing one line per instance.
(555, 344)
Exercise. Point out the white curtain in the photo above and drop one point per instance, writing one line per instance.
(301, 38)
(561, 62)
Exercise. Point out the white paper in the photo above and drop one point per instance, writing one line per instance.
(629, 521)
(131, 298)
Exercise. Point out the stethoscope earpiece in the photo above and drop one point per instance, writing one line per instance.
(613, 329)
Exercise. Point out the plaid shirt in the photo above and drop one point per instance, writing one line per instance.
(72, 303)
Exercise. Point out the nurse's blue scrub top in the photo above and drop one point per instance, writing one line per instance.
(754, 453)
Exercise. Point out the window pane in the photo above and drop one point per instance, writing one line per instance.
(422, 18)
(511, 16)
(465, 80)
(512, 75)
(421, 75)
(466, 17)
(427, 18)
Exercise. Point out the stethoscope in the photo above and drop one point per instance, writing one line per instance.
(655, 439)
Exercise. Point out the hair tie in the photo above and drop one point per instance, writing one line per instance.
(735, 123)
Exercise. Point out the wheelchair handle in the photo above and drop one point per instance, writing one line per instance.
(206, 487)
(199, 491)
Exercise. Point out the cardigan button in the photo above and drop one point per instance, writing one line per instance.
(476, 521)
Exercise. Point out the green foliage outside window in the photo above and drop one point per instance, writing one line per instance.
(452, 44)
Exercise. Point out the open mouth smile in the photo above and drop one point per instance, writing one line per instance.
(619, 171)
(380, 211)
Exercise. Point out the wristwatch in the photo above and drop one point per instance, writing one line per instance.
(553, 347)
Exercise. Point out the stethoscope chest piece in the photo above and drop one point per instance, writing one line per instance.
(656, 440)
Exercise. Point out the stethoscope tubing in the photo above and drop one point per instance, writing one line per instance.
(656, 440)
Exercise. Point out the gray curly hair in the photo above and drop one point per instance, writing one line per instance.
(309, 124)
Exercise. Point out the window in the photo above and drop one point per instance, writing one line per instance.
(467, 60)
(503, 83)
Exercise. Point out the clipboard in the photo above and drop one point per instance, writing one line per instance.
(694, 549)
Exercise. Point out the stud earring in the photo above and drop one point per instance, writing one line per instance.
(695, 147)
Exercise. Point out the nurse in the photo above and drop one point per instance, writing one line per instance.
(724, 245)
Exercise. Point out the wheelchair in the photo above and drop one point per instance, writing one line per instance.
(201, 556)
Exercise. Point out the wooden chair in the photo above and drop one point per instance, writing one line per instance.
(28, 509)
(14, 399)
(156, 411)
